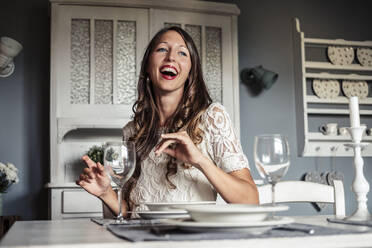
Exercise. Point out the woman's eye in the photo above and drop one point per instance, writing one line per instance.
(161, 49)
(183, 54)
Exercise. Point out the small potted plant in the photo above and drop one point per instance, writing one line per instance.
(8, 176)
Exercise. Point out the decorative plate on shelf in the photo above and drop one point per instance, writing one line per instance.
(355, 88)
(325, 88)
(364, 56)
(340, 55)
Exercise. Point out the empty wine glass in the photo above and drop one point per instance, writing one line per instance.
(119, 160)
(271, 157)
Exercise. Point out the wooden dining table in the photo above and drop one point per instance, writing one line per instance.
(85, 233)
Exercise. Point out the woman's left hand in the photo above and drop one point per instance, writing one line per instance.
(180, 146)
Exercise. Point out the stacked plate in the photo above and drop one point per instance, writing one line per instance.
(231, 217)
(364, 56)
(170, 210)
(340, 55)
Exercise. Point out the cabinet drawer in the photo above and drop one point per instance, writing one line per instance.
(80, 202)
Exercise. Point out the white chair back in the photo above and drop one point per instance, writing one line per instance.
(301, 191)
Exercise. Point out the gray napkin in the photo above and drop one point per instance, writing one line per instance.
(171, 233)
(128, 222)
(351, 222)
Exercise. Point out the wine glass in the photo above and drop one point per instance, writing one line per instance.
(271, 157)
(119, 160)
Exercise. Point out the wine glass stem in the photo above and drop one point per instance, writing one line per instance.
(273, 194)
(119, 218)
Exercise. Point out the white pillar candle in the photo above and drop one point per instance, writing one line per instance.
(354, 111)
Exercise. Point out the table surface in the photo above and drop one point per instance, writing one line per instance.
(85, 233)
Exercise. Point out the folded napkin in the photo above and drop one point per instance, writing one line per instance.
(351, 222)
(172, 233)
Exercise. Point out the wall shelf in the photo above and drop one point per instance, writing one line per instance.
(310, 106)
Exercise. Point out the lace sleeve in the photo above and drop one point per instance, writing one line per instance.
(223, 142)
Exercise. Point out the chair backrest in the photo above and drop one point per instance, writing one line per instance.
(301, 191)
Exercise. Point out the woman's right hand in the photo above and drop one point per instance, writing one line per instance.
(94, 178)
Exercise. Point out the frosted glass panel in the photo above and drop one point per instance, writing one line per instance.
(213, 63)
(126, 61)
(103, 38)
(167, 24)
(80, 61)
(195, 33)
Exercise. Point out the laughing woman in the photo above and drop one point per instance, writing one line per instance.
(186, 147)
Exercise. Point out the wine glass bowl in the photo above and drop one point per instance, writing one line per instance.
(272, 158)
(119, 160)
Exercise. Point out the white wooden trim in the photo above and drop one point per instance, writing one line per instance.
(324, 75)
(327, 65)
(338, 42)
(336, 111)
(337, 100)
(189, 5)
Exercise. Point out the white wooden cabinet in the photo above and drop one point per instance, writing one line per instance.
(96, 51)
(311, 63)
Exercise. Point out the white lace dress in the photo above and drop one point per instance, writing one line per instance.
(220, 144)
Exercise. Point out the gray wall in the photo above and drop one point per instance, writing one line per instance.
(265, 38)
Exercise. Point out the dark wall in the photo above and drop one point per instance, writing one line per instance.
(265, 38)
(24, 108)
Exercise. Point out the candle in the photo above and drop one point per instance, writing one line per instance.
(354, 111)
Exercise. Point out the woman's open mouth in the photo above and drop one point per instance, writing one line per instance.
(168, 72)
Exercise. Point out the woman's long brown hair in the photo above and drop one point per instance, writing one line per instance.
(194, 102)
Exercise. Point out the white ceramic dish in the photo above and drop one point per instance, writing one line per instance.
(232, 213)
(355, 88)
(325, 88)
(176, 214)
(251, 227)
(167, 206)
(340, 55)
(364, 56)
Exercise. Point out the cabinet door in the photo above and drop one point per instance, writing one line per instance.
(213, 37)
(96, 55)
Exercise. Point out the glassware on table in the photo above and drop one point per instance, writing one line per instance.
(271, 157)
(119, 161)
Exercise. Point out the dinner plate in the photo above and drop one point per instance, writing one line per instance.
(340, 55)
(248, 226)
(325, 88)
(166, 206)
(355, 88)
(176, 214)
(232, 213)
(364, 56)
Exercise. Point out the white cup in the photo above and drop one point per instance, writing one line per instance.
(343, 131)
(9, 48)
(329, 129)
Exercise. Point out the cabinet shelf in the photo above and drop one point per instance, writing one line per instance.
(335, 111)
(337, 100)
(325, 75)
(327, 65)
(338, 42)
(312, 111)
(345, 138)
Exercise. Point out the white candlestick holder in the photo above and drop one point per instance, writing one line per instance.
(360, 185)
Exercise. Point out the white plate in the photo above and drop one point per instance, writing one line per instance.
(251, 227)
(232, 213)
(340, 55)
(325, 88)
(165, 206)
(355, 88)
(364, 56)
(176, 214)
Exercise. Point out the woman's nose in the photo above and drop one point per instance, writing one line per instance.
(171, 55)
